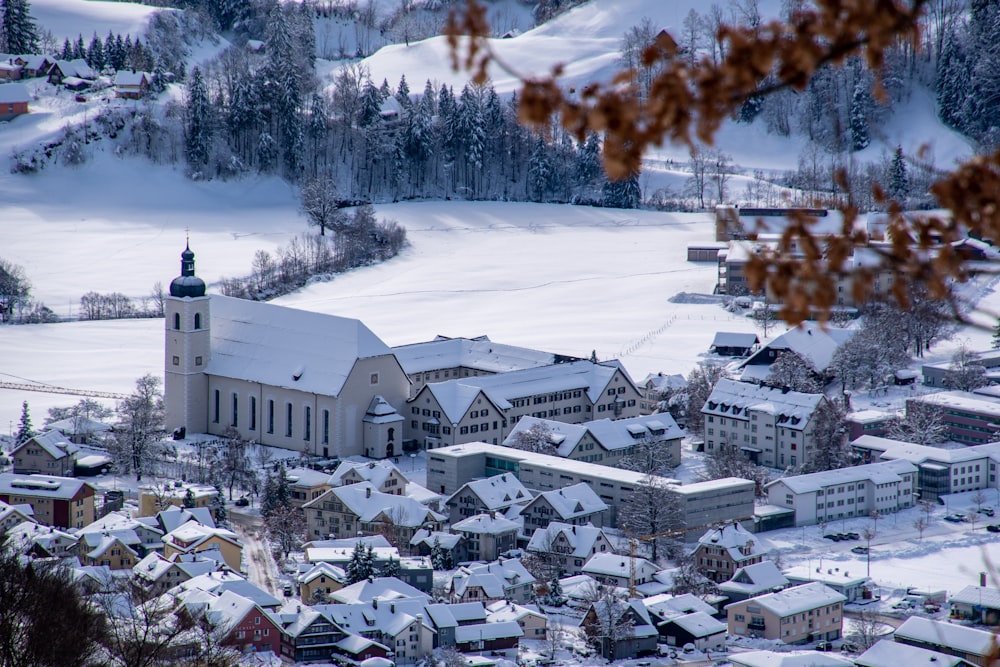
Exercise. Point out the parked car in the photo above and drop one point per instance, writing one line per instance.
(860, 550)
(832, 536)
(993, 528)
(287, 590)
(242, 502)
(854, 536)
(848, 647)
(957, 517)
(988, 511)
(824, 646)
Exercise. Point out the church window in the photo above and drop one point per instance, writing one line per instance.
(177, 321)
(236, 410)
(215, 406)
(326, 426)
(253, 413)
(288, 420)
(270, 416)
(197, 320)
(177, 360)
(308, 424)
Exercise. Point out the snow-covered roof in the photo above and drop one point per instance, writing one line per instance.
(370, 504)
(52, 442)
(174, 517)
(14, 92)
(810, 341)
(897, 450)
(323, 569)
(834, 577)
(486, 524)
(958, 637)
(486, 631)
(503, 610)
(383, 588)
(887, 472)
(571, 502)
(480, 354)
(788, 659)
(497, 492)
(192, 534)
(732, 398)
(963, 400)
(456, 396)
(618, 566)
(380, 411)
(307, 477)
(229, 609)
(983, 596)
(494, 578)
(390, 617)
(798, 599)
(616, 434)
(287, 347)
(41, 486)
(97, 544)
(755, 578)
(581, 539)
(733, 339)
(445, 540)
(663, 381)
(887, 653)
(79, 425)
(152, 567)
(375, 472)
(451, 615)
(666, 605)
(342, 554)
(699, 624)
(738, 542)
(131, 78)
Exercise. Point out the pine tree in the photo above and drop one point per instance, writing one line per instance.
(390, 569)
(438, 560)
(555, 597)
(622, 194)
(25, 431)
(355, 566)
(67, 50)
(860, 105)
(995, 342)
(96, 56)
(371, 104)
(18, 34)
(219, 511)
(403, 92)
(198, 123)
(899, 182)
(79, 48)
(188, 500)
(539, 171)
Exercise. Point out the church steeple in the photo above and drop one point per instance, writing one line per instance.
(187, 284)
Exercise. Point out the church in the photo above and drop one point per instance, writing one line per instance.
(318, 384)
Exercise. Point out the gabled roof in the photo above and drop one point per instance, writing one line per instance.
(698, 624)
(194, 534)
(41, 486)
(503, 610)
(370, 504)
(958, 637)
(307, 477)
(152, 567)
(563, 436)
(383, 588)
(618, 566)
(97, 543)
(663, 382)
(809, 340)
(798, 599)
(131, 78)
(323, 569)
(731, 339)
(731, 398)
(580, 538)
(375, 472)
(571, 502)
(485, 524)
(493, 577)
(229, 608)
(666, 605)
(887, 653)
(497, 492)
(616, 434)
(756, 578)
(887, 472)
(287, 347)
(174, 517)
(451, 615)
(390, 617)
(456, 396)
(789, 659)
(476, 353)
(984, 596)
(52, 442)
(445, 540)
(738, 542)
(14, 92)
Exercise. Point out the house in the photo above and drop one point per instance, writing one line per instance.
(383, 475)
(506, 579)
(398, 624)
(816, 344)
(576, 505)
(498, 638)
(979, 604)
(488, 535)
(796, 615)
(445, 618)
(48, 453)
(654, 387)
(308, 635)
(887, 653)
(772, 427)
(942, 374)
(10, 70)
(487, 407)
(567, 547)
(729, 344)
(117, 550)
(12, 515)
(753, 580)
(975, 646)
(665, 606)
(147, 532)
(446, 358)
(29, 537)
(424, 542)
(194, 537)
(158, 574)
(854, 491)
(492, 494)
(619, 629)
(63, 502)
(614, 570)
(698, 628)
(132, 85)
(243, 624)
(722, 551)
(282, 377)
(305, 484)
(533, 623)
(33, 66)
(415, 571)
(380, 588)
(218, 582)
(853, 587)
(61, 70)
(788, 659)
(154, 498)
(319, 581)
(347, 511)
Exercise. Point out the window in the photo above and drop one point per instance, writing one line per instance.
(270, 416)
(374, 378)
(326, 426)
(308, 426)
(177, 321)
(197, 361)
(253, 413)
(177, 360)
(215, 406)
(288, 420)
(197, 320)
(236, 410)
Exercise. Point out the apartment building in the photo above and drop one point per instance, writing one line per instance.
(486, 408)
(971, 418)
(796, 615)
(63, 502)
(48, 453)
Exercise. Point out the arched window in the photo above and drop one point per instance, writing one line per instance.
(197, 320)
(392, 434)
(177, 321)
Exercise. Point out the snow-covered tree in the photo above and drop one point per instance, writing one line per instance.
(320, 203)
(652, 509)
(390, 569)
(96, 56)
(361, 566)
(966, 371)
(923, 424)
(831, 450)
(622, 194)
(18, 33)
(555, 597)
(650, 456)
(539, 171)
(140, 426)
(538, 439)
(440, 558)
(791, 371)
(899, 182)
(700, 383)
(198, 123)
(860, 108)
(25, 431)
(286, 527)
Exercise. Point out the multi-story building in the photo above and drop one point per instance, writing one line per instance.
(971, 418)
(702, 503)
(63, 502)
(796, 615)
(576, 504)
(724, 550)
(488, 535)
(487, 407)
(772, 427)
(605, 441)
(48, 453)
(497, 493)
(346, 511)
(567, 548)
(847, 492)
(155, 498)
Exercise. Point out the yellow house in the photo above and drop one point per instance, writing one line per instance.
(193, 537)
(157, 497)
(322, 578)
(532, 622)
(109, 549)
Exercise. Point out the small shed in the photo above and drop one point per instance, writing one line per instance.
(729, 344)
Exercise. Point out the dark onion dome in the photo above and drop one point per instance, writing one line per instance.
(187, 284)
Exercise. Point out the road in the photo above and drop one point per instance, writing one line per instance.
(262, 570)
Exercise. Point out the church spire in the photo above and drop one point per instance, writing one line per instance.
(187, 284)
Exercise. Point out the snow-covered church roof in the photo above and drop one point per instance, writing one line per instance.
(476, 353)
(287, 347)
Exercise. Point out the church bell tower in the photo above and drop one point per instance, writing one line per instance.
(187, 350)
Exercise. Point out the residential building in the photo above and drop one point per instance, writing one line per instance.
(29, 537)
(942, 374)
(699, 629)
(501, 638)
(308, 635)
(788, 659)
(415, 571)
(853, 587)
(303, 381)
(533, 622)
(14, 98)
(979, 604)
(453, 546)
(940, 472)
(567, 548)
(971, 418)
(48, 453)
(398, 624)
(449, 358)
(194, 537)
(347, 511)
(487, 407)
(772, 427)
(975, 646)
(445, 618)
(117, 550)
(33, 66)
(319, 581)
(506, 579)
(158, 574)
(723, 550)
(10, 71)
(887, 653)
(243, 624)
(132, 85)
(12, 515)
(796, 615)
(703, 503)
(732, 344)
(498, 493)
(753, 580)
(612, 569)
(621, 630)
(63, 502)
(654, 387)
(382, 475)
(488, 535)
(854, 491)
(813, 342)
(576, 505)
(305, 484)
(866, 422)
(606, 441)
(155, 498)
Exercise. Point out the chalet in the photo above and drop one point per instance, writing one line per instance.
(63, 502)
(33, 66)
(796, 615)
(487, 535)
(78, 70)
(814, 343)
(243, 624)
(308, 635)
(576, 505)
(620, 629)
(568, 547)
(118, 549)
(48, 453)
(973, 645)
(398, 624)
(492, 494)
(382, 475)
(10, 70)
(194, 537)
(506, 579)
(613, 570)
(698, 628)
(722, 551)
(319, 581)
(132, 85)
(347, 511)
(532, 621)
(728, 344)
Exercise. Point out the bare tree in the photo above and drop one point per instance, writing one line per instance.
(140, 426)
(286, 527)
(650, 511)
(321, 205)
(700, 383)
(830, 436)
(791, 371)
(536, 438)
(555, 632)
(726, 460)
(158, 298)
(234, 464)
(142, 628)
(868, 629)
(15, 290)
(608, 620)
(923, 424)
(966, 371)
(920, 524)
(650, 456)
